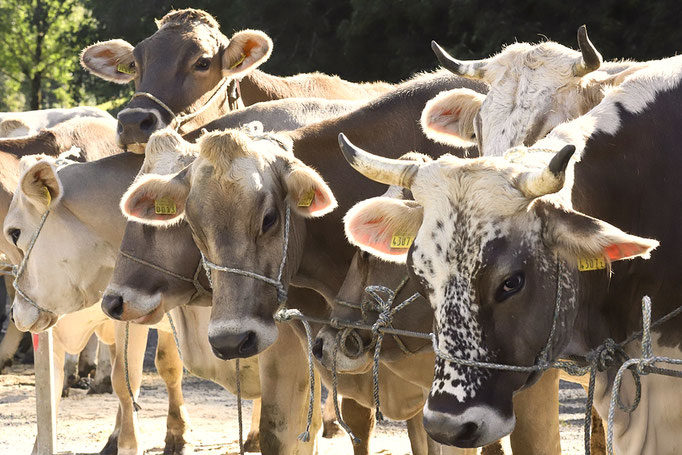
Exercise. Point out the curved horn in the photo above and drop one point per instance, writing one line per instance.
(590, 60)
(550, 179)
(378, 168)
(472, 68)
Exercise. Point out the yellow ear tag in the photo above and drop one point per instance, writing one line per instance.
(588, 264)
(123, 68)
(48, 196)
(306, 199)
(400, 241)
(165, 206)
(238, 62)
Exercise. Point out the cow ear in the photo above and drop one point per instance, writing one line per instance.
(247, 50)
(157, 200)
(449, 117)
(111, 60)
(307, 192)
(384, 227)
(40, 182)
(578, 236)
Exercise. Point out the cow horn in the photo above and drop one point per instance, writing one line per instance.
(378, 168)
(551, 178)
(472, 69)
(590, 59)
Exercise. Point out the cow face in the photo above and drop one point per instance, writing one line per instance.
(493, 251)
(235, 198)
(138, 292)
(181, 65)
(55, 276)
(533, 88)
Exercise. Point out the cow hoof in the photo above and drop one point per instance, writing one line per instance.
(103, 386)
(111, 448)
(5, 364)
(252, 443)
(65, 392)
(330, 429)
(177, 445)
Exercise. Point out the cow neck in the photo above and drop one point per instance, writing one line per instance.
(258, 86)
(326, 252)
(624, 180)
(93, 190)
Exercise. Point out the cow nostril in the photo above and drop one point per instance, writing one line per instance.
(318, 349)
(148, 123)
(11, 317)
(248, 343)
(353, 347)
(119, 128)
(467, 432)
(113, 305)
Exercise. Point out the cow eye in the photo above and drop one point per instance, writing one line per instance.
(269, 220)
(510, 286)
(14, 234)
(202, 64)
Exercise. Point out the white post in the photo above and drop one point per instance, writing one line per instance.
(45, 400)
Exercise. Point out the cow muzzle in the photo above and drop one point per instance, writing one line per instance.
(240, 339)
(352, 354)
(29, 319)
(123, 304)
(136, 125)
(477, 426)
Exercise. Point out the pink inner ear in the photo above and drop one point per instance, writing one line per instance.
(619, 251)
(320, 202)
(143, 208)
(364, 234)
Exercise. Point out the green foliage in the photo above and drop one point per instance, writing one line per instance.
(356, 39)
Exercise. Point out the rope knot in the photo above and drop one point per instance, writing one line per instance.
(285, 315)
(607, 355)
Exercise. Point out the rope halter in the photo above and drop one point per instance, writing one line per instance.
(178, 120)
(274, 282)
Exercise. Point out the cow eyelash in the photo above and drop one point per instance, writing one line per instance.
(202, 64)
(510, 286)
(14, 234)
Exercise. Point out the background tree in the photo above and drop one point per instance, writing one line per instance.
(40, 39)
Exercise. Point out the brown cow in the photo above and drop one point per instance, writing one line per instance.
(200, 80)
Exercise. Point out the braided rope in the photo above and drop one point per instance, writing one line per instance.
(239, 409)
(136, 406)
(335, 384)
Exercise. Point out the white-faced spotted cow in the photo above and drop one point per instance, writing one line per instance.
(497, 242)
(533, 88)
(199, 83)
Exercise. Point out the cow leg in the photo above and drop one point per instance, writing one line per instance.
(102, 381)
(70, 373)
(87, 360)
(169, 366)
(9, 344)
(537, 426)
(252, 443)
(418, 438)
(285, 388)
(128, 436)
(330, 427)
(361, 421)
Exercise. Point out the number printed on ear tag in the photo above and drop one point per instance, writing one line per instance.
(306, 199)
(165, 206)
(588, 264)
(401, 241)
(125, 69)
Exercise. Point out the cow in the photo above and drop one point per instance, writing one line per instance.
(208, 76)
(18, 124)
(236, 197)
(413, 358)
(533, 88)
(497, 245)
(91, 191)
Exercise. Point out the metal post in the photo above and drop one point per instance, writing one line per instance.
(45, 400)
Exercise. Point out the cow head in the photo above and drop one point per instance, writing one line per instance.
(235, 198)
(55, 276)
(356, 349)
(139, 292)
(492, 245)
(533, 88)
(182, 65)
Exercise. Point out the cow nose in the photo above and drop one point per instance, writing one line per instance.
(135, 125)
(112, 305)
(464, 434)
(228, 346)
(318, 349)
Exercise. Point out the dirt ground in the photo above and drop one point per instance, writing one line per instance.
(85, 421)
